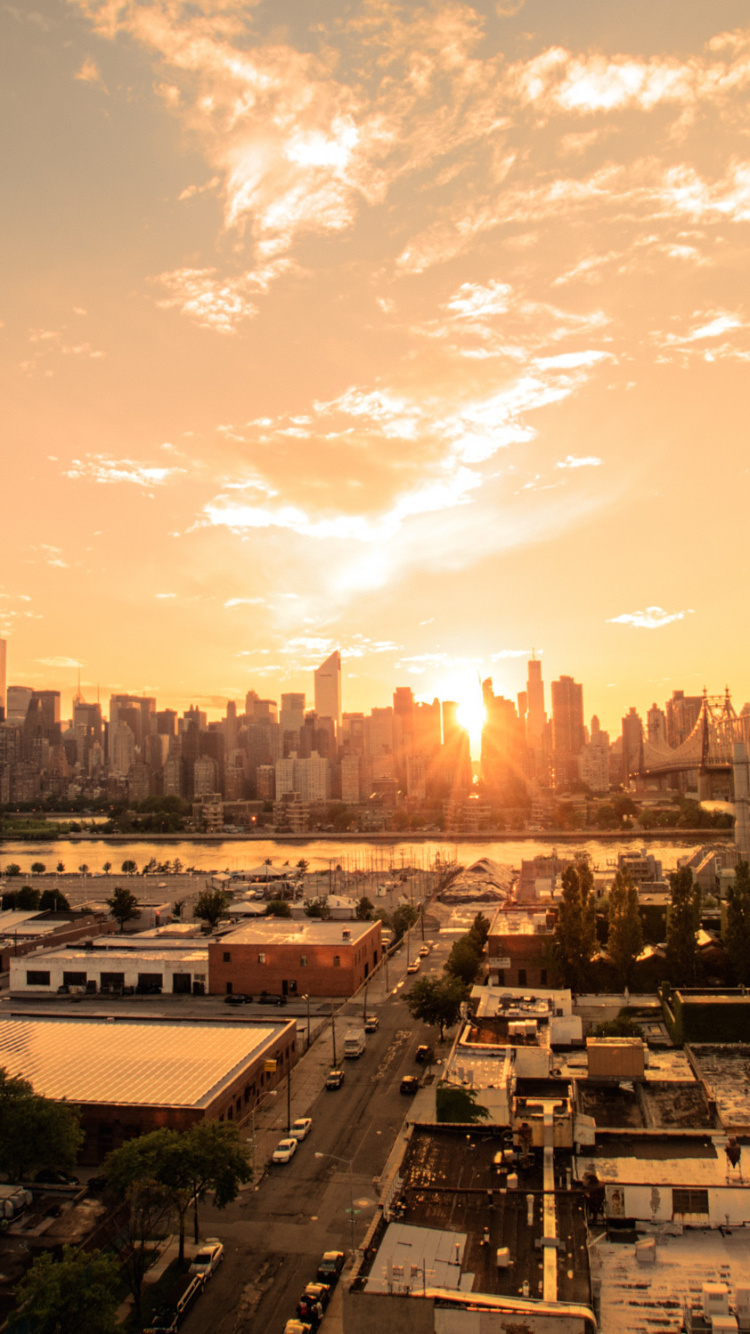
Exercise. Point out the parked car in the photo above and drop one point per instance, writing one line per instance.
(169, 1317)
(409, 1085)
(424, 951)
(238, 998)
(285, 1149)
(301, 1128)
(297, 1327)
(317, 1292)
(330, 1267)
(208, 1259)
(414, 966)
(372, 1023)
(49, 1176)
(335, 1079)
(269, 998)
(424, 1054)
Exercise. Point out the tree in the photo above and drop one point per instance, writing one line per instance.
(737, 932)
(35, 1131)
(123, 906)
(28, 898)
(129, 867)
(12, 869)
(302, 866)
(76, 1293)
(211, 906)
(365, 909)
(625, 940)
(458, 1104)
(177, 908)
(682, 924)
(574, 937)
(53, 900)
(147, 1209)
(107, 867)
(402, 919)
(480, 929)
(436, 1001)
(60, 868)
(83, 869)
(38, 868)
(464, 960)
(317, 908)
(278, 908)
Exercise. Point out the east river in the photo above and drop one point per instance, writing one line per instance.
(376, 857)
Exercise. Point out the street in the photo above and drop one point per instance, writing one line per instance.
(275, 1235)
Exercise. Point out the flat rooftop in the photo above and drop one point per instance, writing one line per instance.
(131, 1062)
(725, 1070)
(284, 931)
(447, 1178)
(663, 1162)
(180, 952)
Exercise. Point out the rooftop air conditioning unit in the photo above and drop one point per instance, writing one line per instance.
(715, 1297)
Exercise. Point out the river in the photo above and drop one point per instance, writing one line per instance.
(377, 856)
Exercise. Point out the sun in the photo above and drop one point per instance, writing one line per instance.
(471, 715)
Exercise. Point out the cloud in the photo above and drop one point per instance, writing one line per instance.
(60, 662)
(89, 73)
(245, 602)
(653, 618)
(164, 596)
(99, 468)
(573, 461)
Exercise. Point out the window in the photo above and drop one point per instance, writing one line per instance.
(261, 958)
(303, 961)
(522, 977)
(74, 979)
(543, 977)
(37, 979)
(689, 1201)
(226, 957)
(337, 960)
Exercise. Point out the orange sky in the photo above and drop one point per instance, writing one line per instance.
(418, 331)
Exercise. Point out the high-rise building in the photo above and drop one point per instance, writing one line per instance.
(292, 715)
(682, 715)
(3, 676)
(632, 744)
(18, 701)
(656, 726)
(536, 718)
(328, 689)
(568, 731)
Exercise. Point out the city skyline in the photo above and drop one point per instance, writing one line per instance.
(418, 335)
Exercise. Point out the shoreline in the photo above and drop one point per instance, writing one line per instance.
(669, 834)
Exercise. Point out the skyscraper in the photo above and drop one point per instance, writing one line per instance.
(536, 718)
(328, 689)
(568, 732)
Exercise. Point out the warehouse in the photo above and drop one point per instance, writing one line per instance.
(290, 958)
(131, 1076)
(151, 967)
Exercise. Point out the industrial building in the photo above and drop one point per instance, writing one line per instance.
(130, 1076)
(291, 958)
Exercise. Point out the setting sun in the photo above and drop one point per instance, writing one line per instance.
(471, 715)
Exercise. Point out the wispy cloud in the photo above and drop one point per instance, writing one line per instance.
(106, 471)
(89, 73)
(653, 618)
(61, 662)
(584, 461)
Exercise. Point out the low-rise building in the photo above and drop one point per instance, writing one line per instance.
(519, 946)
(289, 958)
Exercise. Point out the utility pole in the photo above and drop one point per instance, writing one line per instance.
(333, 1033)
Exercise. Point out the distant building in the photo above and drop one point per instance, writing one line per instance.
(327, 679)
(290, 958)
(568, 732)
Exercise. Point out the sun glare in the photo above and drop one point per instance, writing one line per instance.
(471, 716)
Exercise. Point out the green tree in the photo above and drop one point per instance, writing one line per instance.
(35, 1131)
(737, 932)
(574, 937)
(129, 867)
(83, 869)
(365, 909)
(211, 905)
(38, 868)
(317, 908)
(625, 940)
(278, 908)
(12, 869)
(147, 1208)
(53, 900)
(107, 867)
(682, 925)
(436, 1001)
(302, 865)
(177, 908)
(123, 906)
(480, 929)
(458, 1105)
(77, 1293)
(28, 898)
(402, 919)
(464, 960)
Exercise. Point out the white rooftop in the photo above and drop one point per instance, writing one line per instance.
(415, 1257)
(710, 1169)
(129, 1062)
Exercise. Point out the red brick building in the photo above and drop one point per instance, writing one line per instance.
(518, 947)
(294, 958)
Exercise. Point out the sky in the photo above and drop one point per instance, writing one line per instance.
(418, 331)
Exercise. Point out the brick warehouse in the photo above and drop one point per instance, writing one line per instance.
(294, 958)
(131, 1076)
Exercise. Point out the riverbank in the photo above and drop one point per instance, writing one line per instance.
(670, 834)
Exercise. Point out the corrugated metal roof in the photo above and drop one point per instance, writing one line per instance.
(129, 1062)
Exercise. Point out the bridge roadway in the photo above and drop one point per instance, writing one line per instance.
(275, 1234)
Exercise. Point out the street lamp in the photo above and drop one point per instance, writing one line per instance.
(256, 1107)
(348, 1164)
(307, 998)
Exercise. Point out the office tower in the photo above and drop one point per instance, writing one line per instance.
(3, 676)
(536, 718)
(379, 732)
(166, 722)
(656, 726)
(682, 715)
(403, 730)
(18, 700)
(49, 708)
(138, 711)
(292, 715)
(632, 744)
(328, 689)
(503, 756)
(568, 732)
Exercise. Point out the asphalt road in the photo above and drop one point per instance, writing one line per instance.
(274, 1235)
